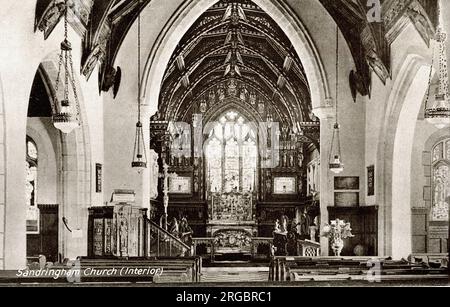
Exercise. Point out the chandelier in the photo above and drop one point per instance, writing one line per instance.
(66, 119)
(437, 106)
(335, 164)
(139, 153)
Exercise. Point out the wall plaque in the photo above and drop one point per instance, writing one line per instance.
(346, 183)
(98, 178)
(371, 180)
(284, 185)
(180, 185)
(346, 199)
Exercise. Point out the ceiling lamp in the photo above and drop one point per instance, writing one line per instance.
(139, 153)
(66, 119)
(335, 163)
(437, 107)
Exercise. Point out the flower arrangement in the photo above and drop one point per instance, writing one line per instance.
(336, 231)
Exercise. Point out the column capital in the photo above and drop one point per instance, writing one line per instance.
(324, 112)
(146, 111)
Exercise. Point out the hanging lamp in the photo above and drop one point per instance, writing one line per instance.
(139, 153)
(335, 164)
(437, 106)
(66, 119)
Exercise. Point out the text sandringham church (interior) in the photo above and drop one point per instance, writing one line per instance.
(210, 142)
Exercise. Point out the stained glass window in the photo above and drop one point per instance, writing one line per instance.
(231, 155)
(441, 182)
(31, 169)
(31, 172)
(437, 152)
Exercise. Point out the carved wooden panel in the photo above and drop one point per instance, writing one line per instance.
(46, 241)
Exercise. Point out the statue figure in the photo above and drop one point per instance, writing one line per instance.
(243, 93)
(174, 228)
(212, 97)
(203, 106)
(299, 160)
(284, 161)
(123, 232)
(277, 226)
(261, 108)
(269, 185)
(305, 223)
(284, 223)
(221, 93)
(232, 91)
(291, 160)
(252, 98)
(195, 184)
(186, 232)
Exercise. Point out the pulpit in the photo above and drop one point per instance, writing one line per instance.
(117, 230)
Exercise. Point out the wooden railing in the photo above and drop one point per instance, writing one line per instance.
(162, 243)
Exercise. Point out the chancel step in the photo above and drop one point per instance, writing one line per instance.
(234, 274)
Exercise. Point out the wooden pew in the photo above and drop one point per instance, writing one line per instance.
(113, 270)
(174, 270)
(432, 260)
(286, 269)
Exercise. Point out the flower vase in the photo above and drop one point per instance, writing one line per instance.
(337, 246)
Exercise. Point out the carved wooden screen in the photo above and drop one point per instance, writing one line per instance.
(439, 217)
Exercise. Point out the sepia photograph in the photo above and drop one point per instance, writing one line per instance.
(224, 149)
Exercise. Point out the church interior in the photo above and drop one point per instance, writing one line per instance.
(225, 140)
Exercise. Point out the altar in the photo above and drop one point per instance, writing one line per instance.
(232, 222)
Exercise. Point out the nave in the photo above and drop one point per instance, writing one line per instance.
(288, 141)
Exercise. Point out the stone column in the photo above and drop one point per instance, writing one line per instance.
(325, 114)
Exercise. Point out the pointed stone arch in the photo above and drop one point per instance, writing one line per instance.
(394, 157)
(189, 12)
(74, 164)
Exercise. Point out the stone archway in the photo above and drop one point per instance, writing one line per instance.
(190, 11)
(394, 157)
(74, 170)
(303, 43)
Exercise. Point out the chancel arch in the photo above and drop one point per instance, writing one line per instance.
(246, 121)
(284, 17)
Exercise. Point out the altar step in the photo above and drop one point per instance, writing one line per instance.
(224, 274)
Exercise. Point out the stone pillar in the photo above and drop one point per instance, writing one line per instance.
(325, 114)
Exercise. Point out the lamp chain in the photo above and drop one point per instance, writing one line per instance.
(430, 77)
(139, 62)
(337, 73)
(65, 61)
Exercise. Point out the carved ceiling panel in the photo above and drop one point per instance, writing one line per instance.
(103, 25)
